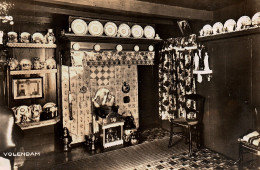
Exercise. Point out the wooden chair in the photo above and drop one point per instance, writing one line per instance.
(246, 147)
(11, 135)
(191, 127)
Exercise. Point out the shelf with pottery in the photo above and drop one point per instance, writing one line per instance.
(202, 71)
(42, 123)
(25, 72)
(107, 39)
(236, 33)
(31, 45)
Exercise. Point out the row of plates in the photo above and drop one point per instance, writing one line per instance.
(95, 28)
(231, 25)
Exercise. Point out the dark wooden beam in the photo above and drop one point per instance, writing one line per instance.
(42, 8)
(137, 7)
(32, 19)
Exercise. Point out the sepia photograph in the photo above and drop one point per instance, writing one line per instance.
(129, 84)
(27, 88)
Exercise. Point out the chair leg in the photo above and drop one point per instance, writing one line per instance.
(198, 136)
(190, 141)
(171, 134)
(241, 156)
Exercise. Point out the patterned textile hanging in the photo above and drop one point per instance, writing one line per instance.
(175, 76)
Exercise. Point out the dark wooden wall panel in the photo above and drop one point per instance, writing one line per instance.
(228, 111)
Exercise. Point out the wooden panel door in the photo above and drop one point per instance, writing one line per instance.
(238, 117)
(228, 102)
(256, 81)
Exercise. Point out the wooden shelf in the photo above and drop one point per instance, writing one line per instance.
(23, 72)
(252, 30)
(107, 39)
(31, 125)
(202, 71)
(31, 45)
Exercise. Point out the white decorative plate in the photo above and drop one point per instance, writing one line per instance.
(150, 48)
(137, 31)
(76, 46)
(119, 47)
(79, 27)
(110, 29)
(149, 32)
(95, 28)
(230, 25)
(243, 22)
(218, 28)
(207, 30)
(136, 48)
(51, 63)
(256, 19)
(97, 47)
(37, 37)
(124, 30)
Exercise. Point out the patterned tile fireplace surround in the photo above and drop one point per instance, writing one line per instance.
(93, 77)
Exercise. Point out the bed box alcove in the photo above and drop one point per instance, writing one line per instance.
(92, 69)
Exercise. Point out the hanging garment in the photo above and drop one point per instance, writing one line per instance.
(175, 76)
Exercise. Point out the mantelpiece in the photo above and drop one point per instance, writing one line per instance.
(106, 39)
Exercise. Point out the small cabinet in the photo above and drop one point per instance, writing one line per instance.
(33, 92)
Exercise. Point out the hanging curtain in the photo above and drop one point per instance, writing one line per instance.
(175, 76)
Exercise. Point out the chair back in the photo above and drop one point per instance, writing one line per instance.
(10, 134)
(200, 100)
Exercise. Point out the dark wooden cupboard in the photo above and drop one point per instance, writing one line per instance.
(232, 95)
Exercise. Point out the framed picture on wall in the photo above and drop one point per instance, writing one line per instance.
(184, 27)
(27, 88)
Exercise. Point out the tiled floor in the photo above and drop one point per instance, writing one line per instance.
(80, 151)
(152, 153)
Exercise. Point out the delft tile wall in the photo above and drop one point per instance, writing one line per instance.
(94, 77)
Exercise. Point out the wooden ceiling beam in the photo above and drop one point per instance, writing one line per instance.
(138, 8)
(34, 8)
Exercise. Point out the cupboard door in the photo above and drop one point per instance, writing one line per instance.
(256, 81)
(237, 119)
(228, 103)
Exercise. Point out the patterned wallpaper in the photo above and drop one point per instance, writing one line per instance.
(93, 77)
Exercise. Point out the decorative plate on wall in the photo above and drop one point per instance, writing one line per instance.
(79, 27)
(110, 29)
(95, 28)
(218, 28)
(230, 25)
(137, 31)
(256, 19)
(149, 32)
(244, 22)
(124, 30)
(207, 30)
